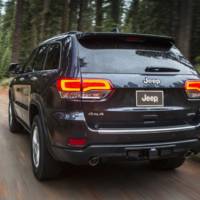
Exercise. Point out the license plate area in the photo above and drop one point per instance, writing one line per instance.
(149, 98)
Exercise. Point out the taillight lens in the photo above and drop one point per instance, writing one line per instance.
(84, 88)
(95, 88)
(192, 88)
(69, 88)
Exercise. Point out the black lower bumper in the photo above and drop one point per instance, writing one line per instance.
(126, 151)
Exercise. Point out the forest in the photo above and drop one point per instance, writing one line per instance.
(25, 23)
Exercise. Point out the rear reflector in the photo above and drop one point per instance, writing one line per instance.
(84, 88)
(77, 142)
(192, 88)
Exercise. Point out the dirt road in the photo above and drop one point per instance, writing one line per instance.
(124, 181)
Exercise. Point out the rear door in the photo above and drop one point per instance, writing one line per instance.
(148, 83)
(22, 88)
(32, 80)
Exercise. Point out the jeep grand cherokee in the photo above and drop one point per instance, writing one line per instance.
(90, 97)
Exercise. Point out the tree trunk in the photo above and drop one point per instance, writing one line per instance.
(174, 17)
(72, 14)
(17, 32)
(195, 41)
(185, 27)
(115, 12)
(34, 34)
(65, 16)
(134, 16)
(99, 15)
(81, 16)
(1, 6)
(44, 19)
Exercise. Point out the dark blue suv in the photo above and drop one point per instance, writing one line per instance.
(89, 97)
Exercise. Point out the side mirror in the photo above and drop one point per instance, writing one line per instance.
(14, 69)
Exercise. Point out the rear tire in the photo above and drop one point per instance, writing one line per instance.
(168, 164)
(44, 166)
(14, 125)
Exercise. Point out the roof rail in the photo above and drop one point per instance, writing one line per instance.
(73, 32)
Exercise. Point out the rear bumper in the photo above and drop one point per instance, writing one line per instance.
(134, 143)
(126, 151)
(63, 126)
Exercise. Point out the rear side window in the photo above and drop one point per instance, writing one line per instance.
(53, 57)
(28, 67)
(40, 58)
(130, 55)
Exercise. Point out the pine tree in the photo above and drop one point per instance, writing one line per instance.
(6, 26)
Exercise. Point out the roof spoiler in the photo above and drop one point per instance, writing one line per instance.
(130, 36)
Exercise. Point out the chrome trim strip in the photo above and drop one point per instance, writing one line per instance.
(148, 145)
(147, 130)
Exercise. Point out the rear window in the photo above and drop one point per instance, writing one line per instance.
(130, 55)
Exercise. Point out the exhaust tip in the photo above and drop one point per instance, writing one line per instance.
(94, 161)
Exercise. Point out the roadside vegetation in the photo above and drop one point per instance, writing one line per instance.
(4, 82)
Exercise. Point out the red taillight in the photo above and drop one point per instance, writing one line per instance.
(69, 85)
(192, 88)
(95, 84)
(84, 88)
(77, 142)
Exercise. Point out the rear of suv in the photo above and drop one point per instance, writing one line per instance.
(91, 97)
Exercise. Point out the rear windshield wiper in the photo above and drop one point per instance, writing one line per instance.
(161, 69)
